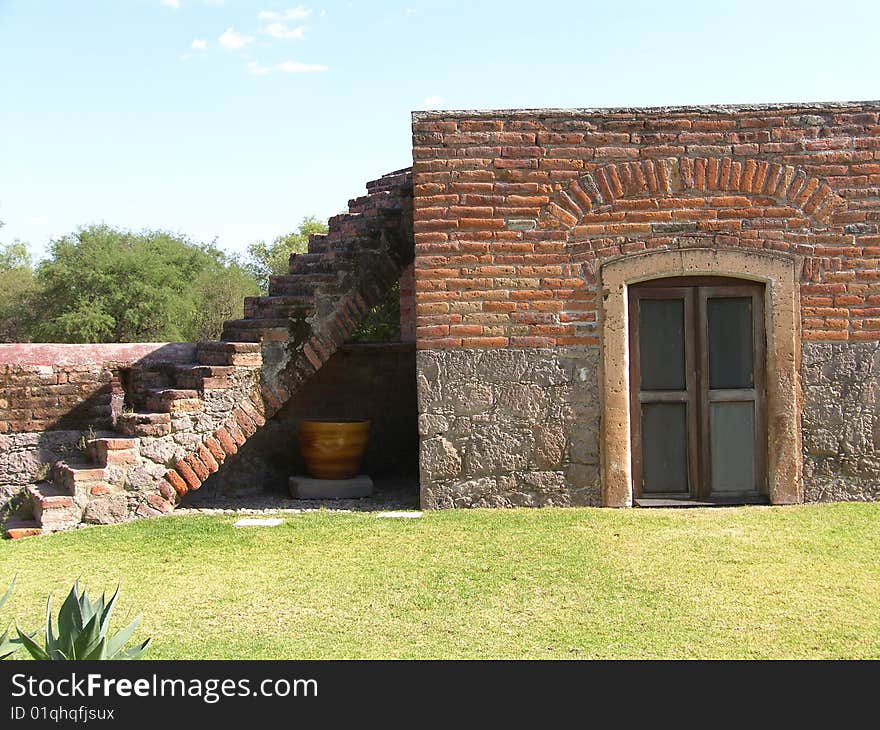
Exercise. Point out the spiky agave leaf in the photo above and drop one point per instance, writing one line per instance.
(107, 611)
(8, 591)
(115, 644)
(134, 652)
(31, 646)
(88, 639)
(7, 646)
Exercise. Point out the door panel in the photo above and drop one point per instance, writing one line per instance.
(729, 323)
(661, 340)
(665, 448)
(663, 361)
(697, 379)
(732, 447)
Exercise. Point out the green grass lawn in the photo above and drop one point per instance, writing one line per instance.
(550, 583)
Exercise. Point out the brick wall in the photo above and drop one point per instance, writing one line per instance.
(64, 387)
(515, 210)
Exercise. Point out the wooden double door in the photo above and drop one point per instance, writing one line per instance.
(697, 378)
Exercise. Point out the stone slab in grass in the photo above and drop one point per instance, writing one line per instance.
(401, 515)
(307, 488)
(258, 522)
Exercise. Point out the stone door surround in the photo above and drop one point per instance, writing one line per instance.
(778, 272)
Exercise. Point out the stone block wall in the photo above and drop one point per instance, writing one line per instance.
(841, 421)
(515, 213)
(509, 427)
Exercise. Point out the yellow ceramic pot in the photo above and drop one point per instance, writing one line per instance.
(333, 449)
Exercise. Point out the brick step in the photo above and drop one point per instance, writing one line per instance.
(146, 377)
(79, 479)
(300, 286)
(173, 400)
(17, 529)
(143, 423)
(104, 451)
(255, 306)
(250, 330)
(277, 313)
(53, 507)
(203, 377)
(230, 352)
(328, 263)
(318, 243)
(258, 336)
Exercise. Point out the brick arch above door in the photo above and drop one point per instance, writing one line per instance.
(779, 273)
(724, 180)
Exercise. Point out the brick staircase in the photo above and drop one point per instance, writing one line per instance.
(182, 420)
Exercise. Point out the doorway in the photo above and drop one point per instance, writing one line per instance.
(698, 391)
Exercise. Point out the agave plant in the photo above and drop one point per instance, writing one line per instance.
(82, 631)
(7, 646)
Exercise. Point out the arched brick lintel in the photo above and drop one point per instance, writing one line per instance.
(779, 273)
(598, 190)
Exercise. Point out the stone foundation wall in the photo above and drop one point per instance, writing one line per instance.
(512, 427)
(374, 381)
(841, 421)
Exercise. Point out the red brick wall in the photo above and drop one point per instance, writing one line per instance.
(515, 211)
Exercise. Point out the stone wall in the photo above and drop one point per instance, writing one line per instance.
(373, 381)
(841, 421)
(512, 427)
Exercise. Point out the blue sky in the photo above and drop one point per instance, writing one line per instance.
(233, 119)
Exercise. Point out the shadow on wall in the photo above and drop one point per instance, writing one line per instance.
(361, 381)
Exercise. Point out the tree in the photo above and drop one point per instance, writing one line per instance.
(271, 259)
(103, 284)
(17, 288)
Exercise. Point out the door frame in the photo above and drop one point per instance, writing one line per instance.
(779, 273)
(695, 291)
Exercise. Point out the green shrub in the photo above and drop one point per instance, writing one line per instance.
(82, 631)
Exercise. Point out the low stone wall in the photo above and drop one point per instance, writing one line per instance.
(52, 395)
(48, 387)
(513, 427)
(374, 381)
(841, 420)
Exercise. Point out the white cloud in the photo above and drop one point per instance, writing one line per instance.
(433, 101)
(173, 4)
(300, 12)
(280, 30)
(199, 44)
(232, 40)
(295, 67)
(256, 69)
